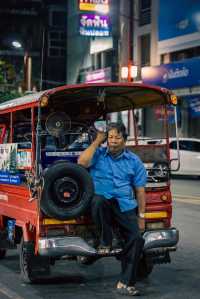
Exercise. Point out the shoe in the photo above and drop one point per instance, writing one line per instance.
(123, 289)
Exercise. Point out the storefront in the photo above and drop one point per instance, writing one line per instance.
(183, 78)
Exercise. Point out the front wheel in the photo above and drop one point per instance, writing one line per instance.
(32, 267)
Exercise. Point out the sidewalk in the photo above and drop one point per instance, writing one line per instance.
(186, 199)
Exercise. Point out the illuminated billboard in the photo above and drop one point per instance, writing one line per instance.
(94, 25)
(178, 25)
(101, 6)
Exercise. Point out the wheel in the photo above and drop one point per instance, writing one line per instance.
(145, 268)
(2, 253)
(68, 189)
(32, 267)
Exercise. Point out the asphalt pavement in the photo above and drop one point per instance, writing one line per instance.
(186, 190)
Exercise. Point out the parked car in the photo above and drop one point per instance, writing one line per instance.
(189, 149)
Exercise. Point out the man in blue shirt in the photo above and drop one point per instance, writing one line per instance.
(119, 178)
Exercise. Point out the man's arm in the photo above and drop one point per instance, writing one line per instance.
(86, 156)
(141, 199)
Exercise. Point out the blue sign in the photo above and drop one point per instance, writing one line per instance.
(178, 18)
(7, 178)
(193, 105)
(174, 75)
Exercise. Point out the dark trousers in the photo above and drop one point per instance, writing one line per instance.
(105, 213)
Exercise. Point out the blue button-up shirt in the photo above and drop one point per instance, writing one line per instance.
(116, 177)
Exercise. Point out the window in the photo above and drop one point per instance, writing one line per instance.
(144, 12)
(109, 58)
(196, 146)
(58, 19)
(57, 43)
(173, 145)
(145, 49)
(186, 145)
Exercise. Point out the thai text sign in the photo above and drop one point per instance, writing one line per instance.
(101, 6)
(193, 105)
(173, 75)
(94, 25)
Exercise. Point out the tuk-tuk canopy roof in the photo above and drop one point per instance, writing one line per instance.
(114, 97)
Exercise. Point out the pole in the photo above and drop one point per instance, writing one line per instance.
(42, 58)
(27, 72)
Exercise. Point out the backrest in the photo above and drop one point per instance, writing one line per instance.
(150, 153)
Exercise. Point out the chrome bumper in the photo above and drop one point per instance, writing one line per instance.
(163, 238)
(76, 246)
(60, 246)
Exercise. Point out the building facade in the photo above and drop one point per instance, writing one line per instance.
(99, 38)
(33, 42)
(167, 51)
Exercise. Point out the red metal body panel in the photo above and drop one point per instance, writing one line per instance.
(18, 204)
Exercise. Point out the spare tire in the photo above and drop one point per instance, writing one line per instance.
(68, 189)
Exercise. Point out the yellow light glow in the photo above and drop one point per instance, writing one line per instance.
(101, 8)
(164, 197)
(173, 99)
(44, 101)
(55, 221)
(156, 215)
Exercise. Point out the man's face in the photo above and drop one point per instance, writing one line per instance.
(116, 142)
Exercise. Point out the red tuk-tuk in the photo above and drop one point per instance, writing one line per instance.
(45, 195)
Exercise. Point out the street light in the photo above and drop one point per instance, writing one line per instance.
(16, 44)
(129, 72)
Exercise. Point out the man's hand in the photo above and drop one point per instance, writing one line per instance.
(101, 137)
(141, 223)
(87, 155)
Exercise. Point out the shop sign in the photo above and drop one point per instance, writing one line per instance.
(193, 105)
(102, 75)
(178, 25)
(173, 75)
(101, 6)
(178, 18)
(94, 25)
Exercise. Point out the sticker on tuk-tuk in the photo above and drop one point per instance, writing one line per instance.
(24, 159)
(13, 158)
(8, 157)
(8, 178)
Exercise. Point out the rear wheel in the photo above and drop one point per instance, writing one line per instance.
(32, 267)
(67, 191)
(2, 253)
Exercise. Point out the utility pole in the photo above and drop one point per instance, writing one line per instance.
(27, 72)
